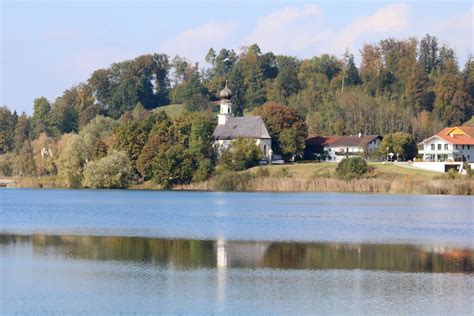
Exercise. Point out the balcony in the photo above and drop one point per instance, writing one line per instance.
(439, 152)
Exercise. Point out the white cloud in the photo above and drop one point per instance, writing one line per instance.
(195, 42)
(388, 21)
(289, 30)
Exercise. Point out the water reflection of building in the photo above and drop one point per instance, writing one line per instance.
(224, 254)
(240, 253)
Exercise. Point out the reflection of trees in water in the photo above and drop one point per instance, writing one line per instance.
(245, 254)
(389, 257)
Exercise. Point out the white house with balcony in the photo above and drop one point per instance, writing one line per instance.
(452, 144)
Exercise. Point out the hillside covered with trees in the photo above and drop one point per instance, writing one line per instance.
(111, 124)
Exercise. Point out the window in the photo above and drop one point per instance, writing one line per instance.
(468, 146)
(432, 146)
(462, 147)
(456, 146)
(439, 146)
(228, 110)
(445, 146)
(265, 149)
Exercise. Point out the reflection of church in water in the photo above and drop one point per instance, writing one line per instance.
(240, 254)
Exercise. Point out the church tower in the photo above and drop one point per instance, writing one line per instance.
(226, 106)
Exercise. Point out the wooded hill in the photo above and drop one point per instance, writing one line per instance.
(409, 86)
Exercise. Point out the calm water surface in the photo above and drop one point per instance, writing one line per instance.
(81, 251)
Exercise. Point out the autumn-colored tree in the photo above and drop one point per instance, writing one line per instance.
(277, 118)
(44, 152)
(451, 97)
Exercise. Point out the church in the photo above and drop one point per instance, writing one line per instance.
(230, 127)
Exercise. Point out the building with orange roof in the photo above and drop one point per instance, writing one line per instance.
(450, 144)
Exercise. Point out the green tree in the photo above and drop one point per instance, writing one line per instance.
(22, 131)
(286, 82)
(7, 129)
(132, 135)
(253, 76)
(64, 116)
(352, 73)
(41, 116)
(236, 81)
(95, 132)
(429, 53)
(26, 160)
(71, 161)
(243, 154)
(173, 165)
(401, 144)
(111, 172)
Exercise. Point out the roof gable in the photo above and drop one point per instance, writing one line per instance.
(455, 131)
(458, 135)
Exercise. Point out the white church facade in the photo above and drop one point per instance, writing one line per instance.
(230, 127)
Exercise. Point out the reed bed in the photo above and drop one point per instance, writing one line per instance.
(367, 185)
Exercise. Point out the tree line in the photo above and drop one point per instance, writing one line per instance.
(407, 85)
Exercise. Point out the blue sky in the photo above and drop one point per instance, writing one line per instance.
(49, 46)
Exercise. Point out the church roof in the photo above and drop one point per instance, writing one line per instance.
(244, 126)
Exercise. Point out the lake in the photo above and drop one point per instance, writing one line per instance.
(106, 251)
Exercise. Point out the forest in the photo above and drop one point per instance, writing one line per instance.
(109, 130)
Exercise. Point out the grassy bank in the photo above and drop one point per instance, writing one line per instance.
(320, 177)
(310, 177)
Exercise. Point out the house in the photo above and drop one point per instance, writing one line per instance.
(230, 127)
(450, 144)
(335, 148)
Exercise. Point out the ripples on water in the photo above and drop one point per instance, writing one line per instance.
(237, 253)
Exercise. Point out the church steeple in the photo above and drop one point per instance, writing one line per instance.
(225, 105)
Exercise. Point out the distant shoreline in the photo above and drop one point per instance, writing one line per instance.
(305, 177)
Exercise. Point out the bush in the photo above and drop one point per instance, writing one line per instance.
(232, 181)
(350, 168)
(112, 172)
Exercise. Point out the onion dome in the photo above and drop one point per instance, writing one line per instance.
(225, 93)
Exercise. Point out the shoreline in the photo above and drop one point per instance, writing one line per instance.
(302, 177)
(406, 186)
